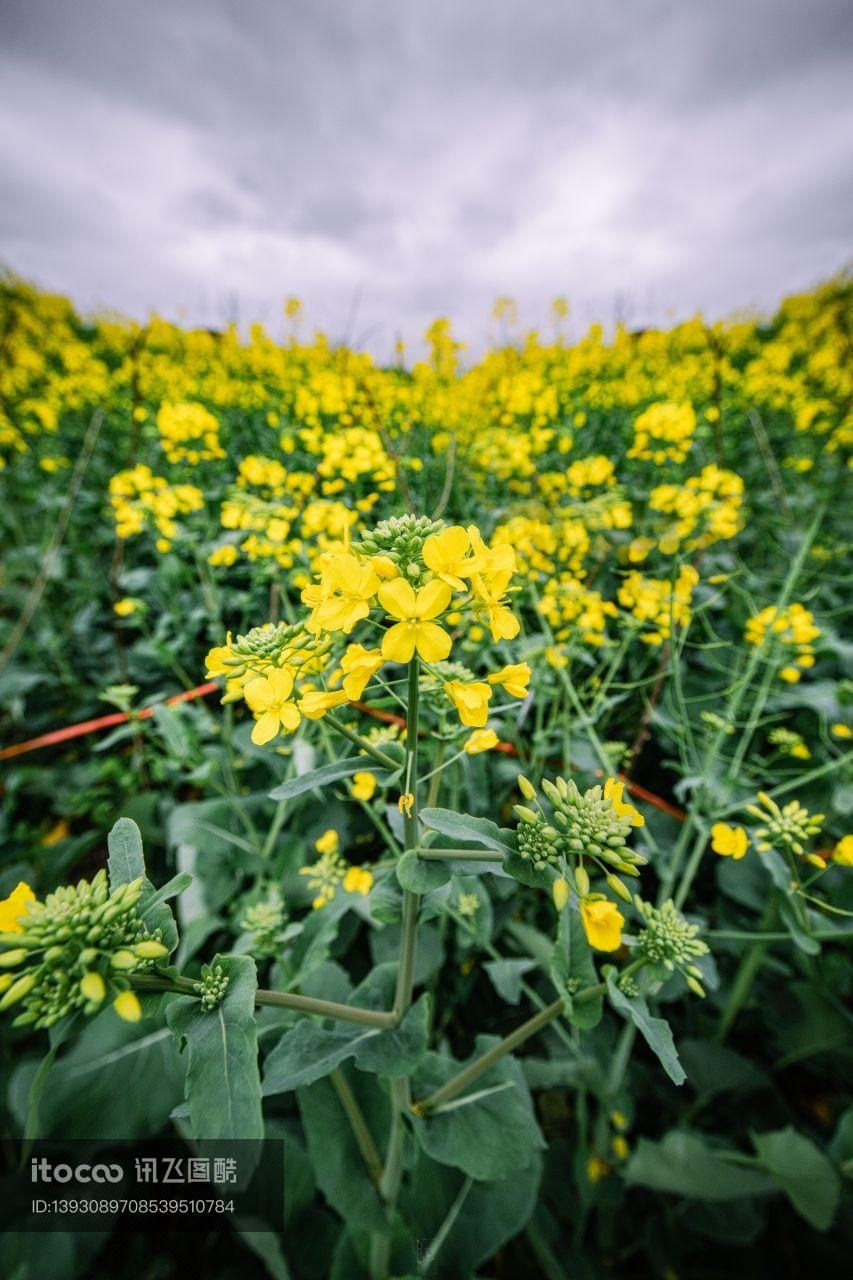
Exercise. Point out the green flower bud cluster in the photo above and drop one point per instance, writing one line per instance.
(264, 921)
(587, 823)
(401, 539)
(273, 645)
(667, 939)
(212, 986)
(73, 950)
(789, 829)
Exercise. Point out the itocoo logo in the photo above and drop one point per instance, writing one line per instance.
(45, 1171)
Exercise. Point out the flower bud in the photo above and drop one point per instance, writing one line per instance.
(127, 1006)
(124, 959)
(8, 959)
(18, 990)
(526, 788)
(696, 987)
(93, 987)
(582, 881)
(619, 888)
(526, 815)
(148, 949)
(560, 893)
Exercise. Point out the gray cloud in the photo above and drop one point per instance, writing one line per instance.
(425, 157)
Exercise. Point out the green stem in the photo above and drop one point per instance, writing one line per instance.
(278, 1000)
(476, 1068)
(392, 1172)
(361, 743)
(472, 855)
(358, 1124)
(745, 976)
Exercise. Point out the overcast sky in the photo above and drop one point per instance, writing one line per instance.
(391, 160)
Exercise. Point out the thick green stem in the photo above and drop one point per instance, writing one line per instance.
(358, 1124)
(279, 1000)
(476, 1068)
(392, 1172)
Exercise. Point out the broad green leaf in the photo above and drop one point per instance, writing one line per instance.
(335, 1157)
(572, 969)
(126, 861)
(714, 1068)
(327, 774)
(117, 1080)
(462, 827)
(655, 1031)
(472, 1220)
(506, 975)
(223, 1088)
(308, 1051)
(422, 875)
(805, 1174)
(683, 1164)
(489, 1139)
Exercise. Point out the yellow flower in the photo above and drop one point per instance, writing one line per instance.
(613, 792)
(127, 1006)
(596, 1169)
(471, 700)
(57, 832)
(790, 675)
(269, 697)
(358, 880)
(224, 555)
(124, 608)
(406, 804)
(317, 702)
(415, 631)
(359, 666)
(843, 855)
(444, 553)
(841, 731)
(328, 842)
(490, 592)
(514, 679)
(602, 923)
(729, 842)
(480, 740)
(362, 786)
(216, 660)
(342, 597)
(621, 1150)
(15, 906)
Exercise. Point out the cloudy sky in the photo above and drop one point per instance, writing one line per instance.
(390, 160)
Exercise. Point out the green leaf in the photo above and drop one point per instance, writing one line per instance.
(572, 969)
(333, 1151)
(475, 1218)
(399, 1050)
(223, 1088)
(422, 875)
(714, 1068)
(684, 1165)
(462, 827)
(655, 1031)
(126, 861)
(490, 1138)
(506, 975)
(328, 773)
(309, 1051)
(805, 1174)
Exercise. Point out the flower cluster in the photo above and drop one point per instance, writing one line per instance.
(189, 433)
(74, 950)
(211, 987)
(669, 941)
(789, 828)
(657, 605)
(593, 825)
(790, 633)
(139, 498)
(664, 433)
(331, 871)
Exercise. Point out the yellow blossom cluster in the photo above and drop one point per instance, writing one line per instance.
(189, 433)
(664, 433)
(790, 633)
(658, 605)
(139, 498)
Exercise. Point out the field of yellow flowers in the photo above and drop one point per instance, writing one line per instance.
(488, 727)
